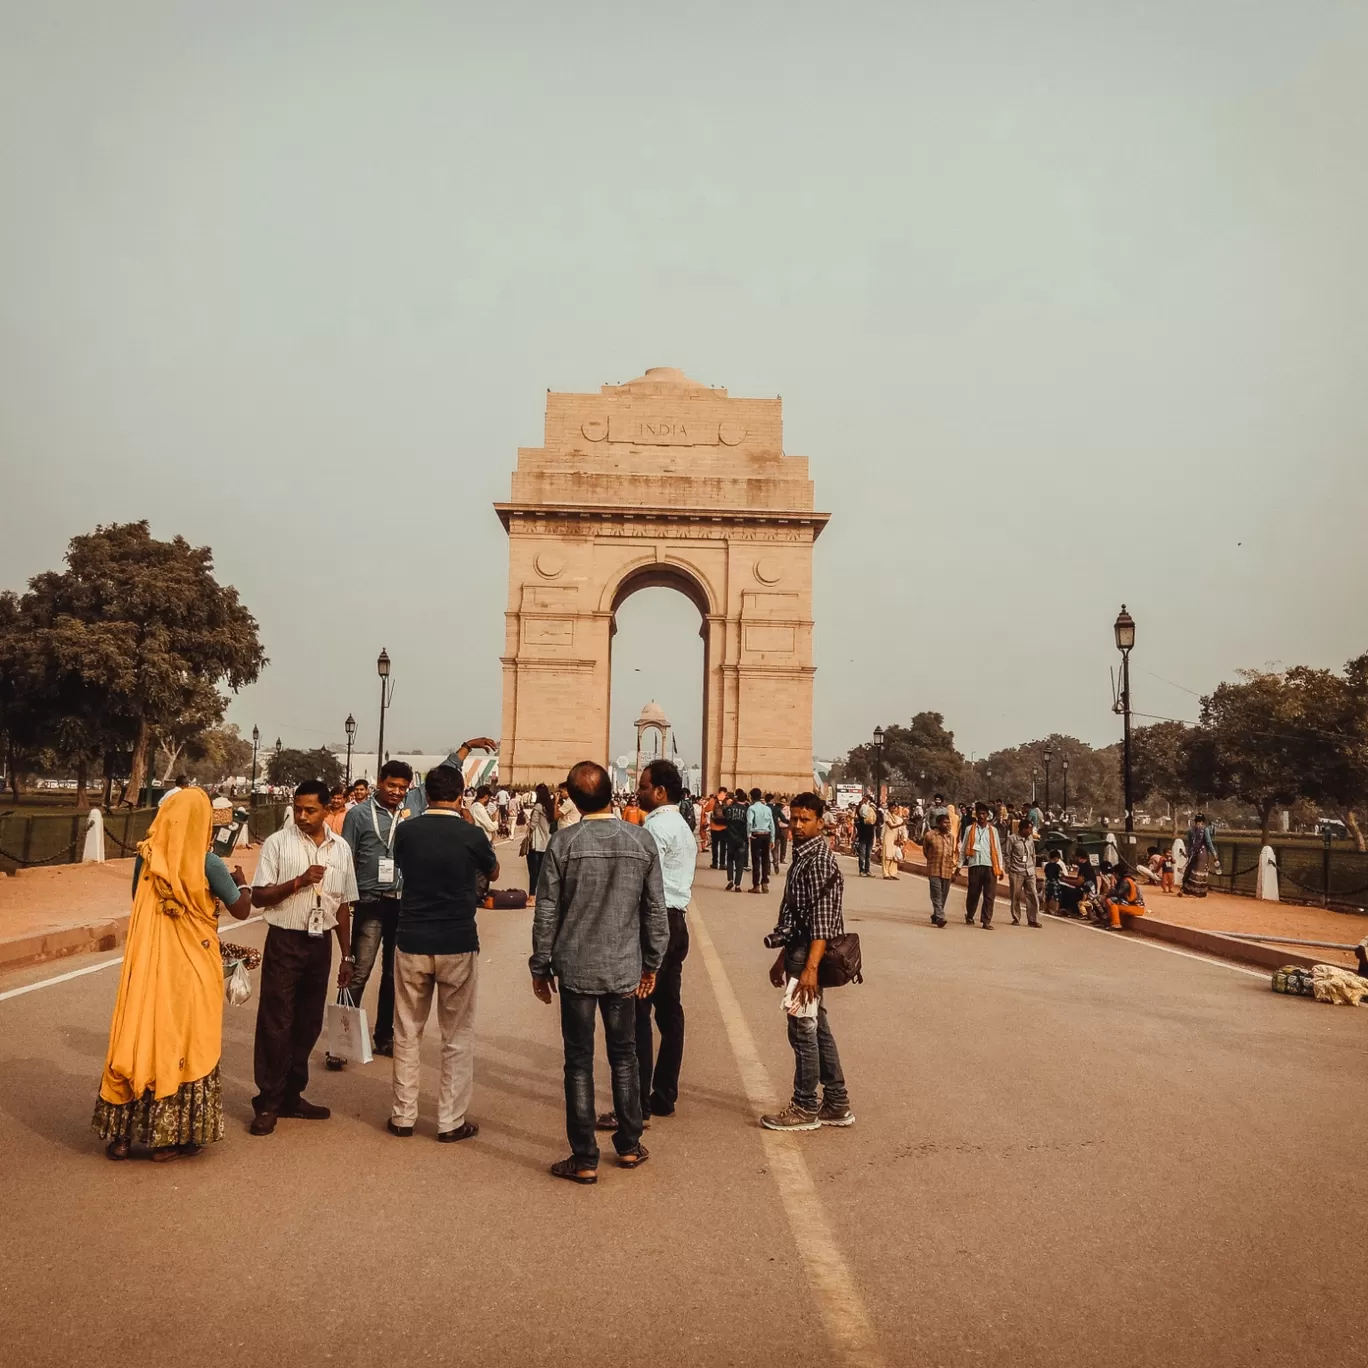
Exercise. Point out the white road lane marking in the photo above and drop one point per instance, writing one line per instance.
(847, 1323)
(1152, 944)
(103, 964)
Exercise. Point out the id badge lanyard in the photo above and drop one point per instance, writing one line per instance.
(315, 926)
(385, 866)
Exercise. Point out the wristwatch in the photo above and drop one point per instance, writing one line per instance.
(348, 959)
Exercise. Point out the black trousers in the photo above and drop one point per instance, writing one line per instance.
(658, 1070)
(618, 1010)
(780, 849)
(760, 860)
(295, 970)
(982, 884)
(719, 846)
(736, 860)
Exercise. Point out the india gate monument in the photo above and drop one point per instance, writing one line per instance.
(661, 481)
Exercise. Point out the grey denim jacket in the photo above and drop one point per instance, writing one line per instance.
(600, 921)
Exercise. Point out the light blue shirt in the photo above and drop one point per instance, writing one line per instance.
(760, 820)
(984, 842)
(678, 853)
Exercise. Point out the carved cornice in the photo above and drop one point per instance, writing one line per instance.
(707, 524)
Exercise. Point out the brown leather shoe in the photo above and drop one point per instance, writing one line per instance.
(263, 1123)
(304, 1110)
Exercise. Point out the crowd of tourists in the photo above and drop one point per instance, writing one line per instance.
(395, 875)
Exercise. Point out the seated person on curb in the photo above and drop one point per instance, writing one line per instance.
(1124, 896)
(1075, 887)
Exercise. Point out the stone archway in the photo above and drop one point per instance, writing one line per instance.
(661, 481)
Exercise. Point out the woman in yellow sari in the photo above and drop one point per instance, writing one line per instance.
(161, 1076)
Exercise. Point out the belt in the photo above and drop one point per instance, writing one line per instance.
(377, 897)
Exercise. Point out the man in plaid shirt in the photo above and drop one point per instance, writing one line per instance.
(809, 916)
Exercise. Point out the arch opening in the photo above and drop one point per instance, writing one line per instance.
(657, 655)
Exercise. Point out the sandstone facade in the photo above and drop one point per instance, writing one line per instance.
(661, 481)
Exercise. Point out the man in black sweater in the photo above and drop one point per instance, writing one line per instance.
(440, 856)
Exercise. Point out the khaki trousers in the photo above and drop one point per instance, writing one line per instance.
(1023, 888)
(452, 979)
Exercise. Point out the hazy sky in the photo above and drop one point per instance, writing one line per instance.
(1066, 302)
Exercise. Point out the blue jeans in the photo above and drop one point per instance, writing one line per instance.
(375, 925)
(815, 1058)
(619, 1013)
(864, 846)
(940, 890)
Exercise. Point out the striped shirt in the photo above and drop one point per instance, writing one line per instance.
(811, 906)
(287, 855)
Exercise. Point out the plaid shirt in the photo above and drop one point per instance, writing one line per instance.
(942, 855)
(811, 906)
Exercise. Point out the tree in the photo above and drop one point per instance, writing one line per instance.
(1161, 764)
(183, 736)
(221, 753)
(922, 747)
(290, 768)
(1333, 721)
(146, 624)
(1250, 745)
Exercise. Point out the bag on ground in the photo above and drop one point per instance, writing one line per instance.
(348, 1034)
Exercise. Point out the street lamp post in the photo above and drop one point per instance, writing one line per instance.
(1049, 755)
(1064, 807)
(878, 762)
(350, 725)
(1033, 786)
(382, 668)
(256, 741)
(1124, 628)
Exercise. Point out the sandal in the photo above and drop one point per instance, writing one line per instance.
(575, 1171)
(189, 1151)
(164, 1154)
(117, 1149)
(634, 1158)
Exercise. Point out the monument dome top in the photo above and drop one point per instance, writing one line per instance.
(666, 375)
(653, 712)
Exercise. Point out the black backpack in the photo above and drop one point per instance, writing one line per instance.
(686, 811)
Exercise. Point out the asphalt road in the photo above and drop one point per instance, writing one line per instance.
(1071, 1148)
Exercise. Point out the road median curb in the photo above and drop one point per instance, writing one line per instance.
(36, 948)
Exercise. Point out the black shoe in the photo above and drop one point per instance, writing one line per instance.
(304, 1110)
(937, 921)
(386, 1050)
(403, 1132)
(333, 1063)
(659, 1108)
(969, 920)
(467, 1130)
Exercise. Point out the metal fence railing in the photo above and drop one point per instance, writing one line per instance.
(30, 840)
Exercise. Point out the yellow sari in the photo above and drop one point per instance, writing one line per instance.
(161, 1079)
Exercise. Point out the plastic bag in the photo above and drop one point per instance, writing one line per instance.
(239, 985)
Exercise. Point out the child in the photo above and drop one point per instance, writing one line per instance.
(1054, 871)
(1166, 871)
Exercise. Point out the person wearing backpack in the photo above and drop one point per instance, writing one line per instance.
(809, 918)
(866, 823)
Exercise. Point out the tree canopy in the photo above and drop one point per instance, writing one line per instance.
(130, 644)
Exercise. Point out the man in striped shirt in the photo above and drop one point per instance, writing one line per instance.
(307, 882)
(809, 916)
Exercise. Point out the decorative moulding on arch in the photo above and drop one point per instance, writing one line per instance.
(768, 570)
(548, 564)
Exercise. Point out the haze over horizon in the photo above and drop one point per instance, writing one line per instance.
(1066, 306)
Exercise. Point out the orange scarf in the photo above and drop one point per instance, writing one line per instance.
(993, 853)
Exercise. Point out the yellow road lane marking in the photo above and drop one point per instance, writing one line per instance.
(847, 1324)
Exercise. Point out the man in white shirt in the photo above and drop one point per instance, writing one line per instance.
(501, 802)
(658, 792)
(182, 782)
(306, 880)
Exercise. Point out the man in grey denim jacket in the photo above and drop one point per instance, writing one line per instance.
(600, 932)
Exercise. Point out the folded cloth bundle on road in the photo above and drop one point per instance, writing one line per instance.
(1338, 986)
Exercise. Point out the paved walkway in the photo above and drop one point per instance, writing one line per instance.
(1071, 1148)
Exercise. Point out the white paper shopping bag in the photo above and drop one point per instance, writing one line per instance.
(348, 1032)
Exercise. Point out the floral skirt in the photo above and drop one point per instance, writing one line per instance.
(192, 1115)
